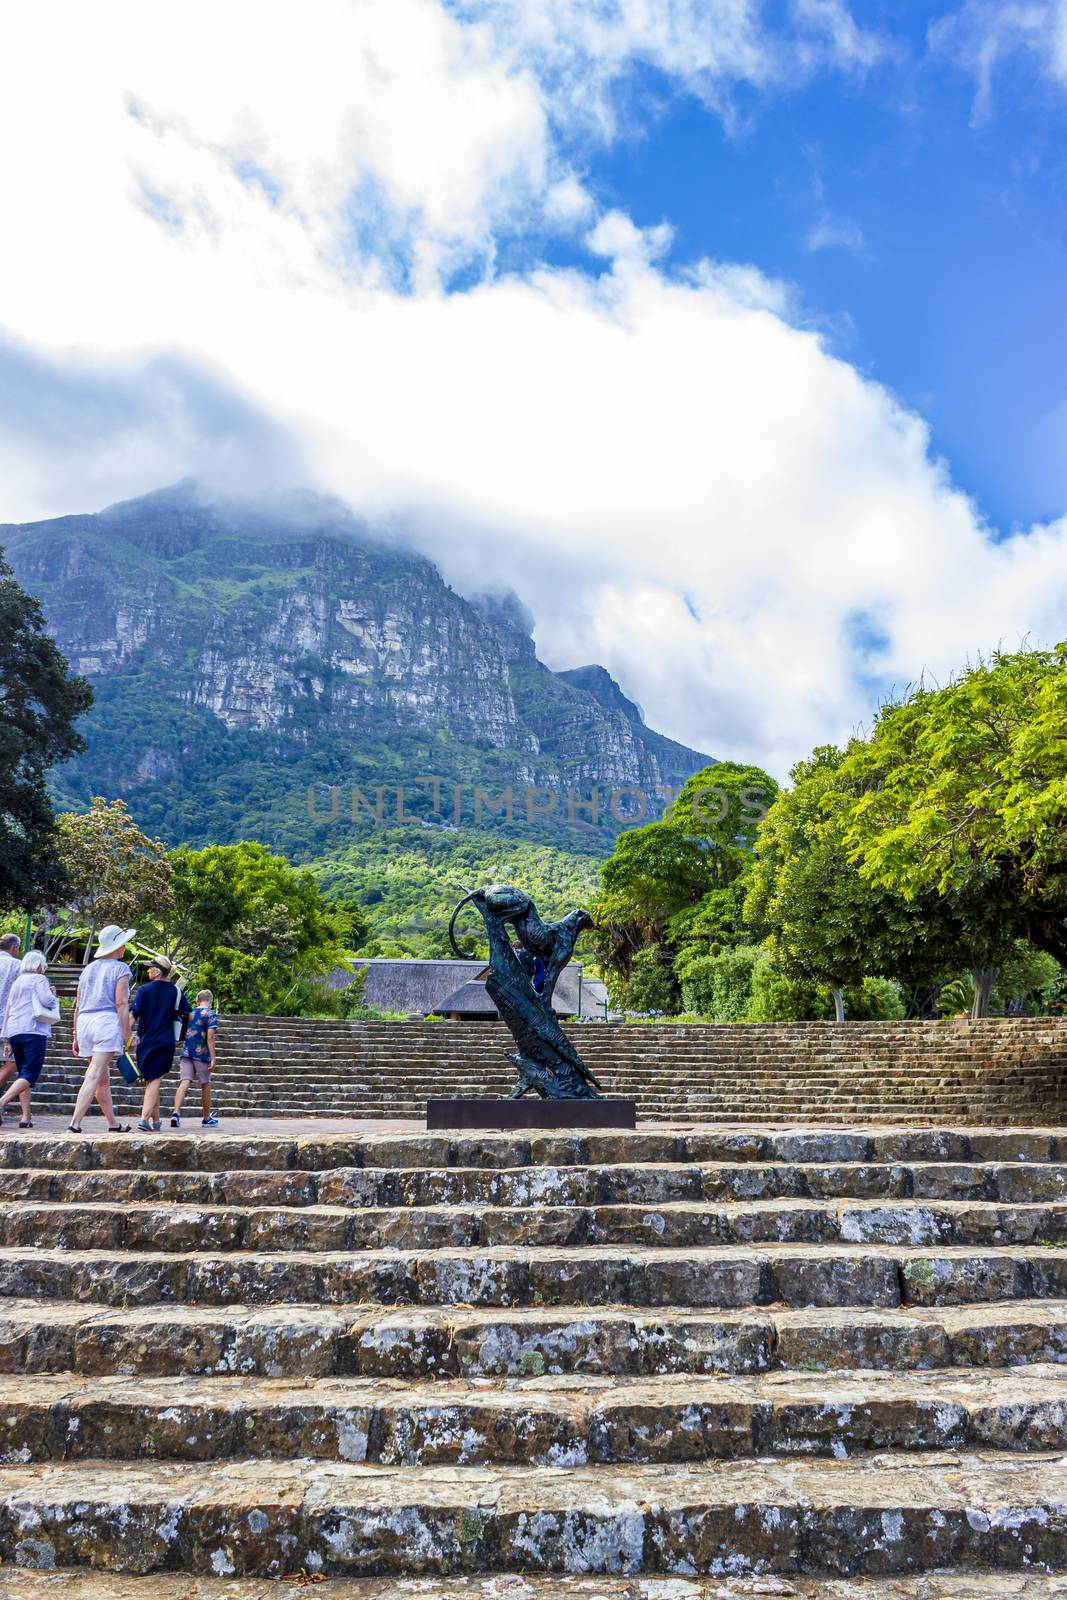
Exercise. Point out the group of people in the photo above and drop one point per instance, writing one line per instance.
(107, 1024)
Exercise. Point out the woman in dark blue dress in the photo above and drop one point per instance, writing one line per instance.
(157, 1006)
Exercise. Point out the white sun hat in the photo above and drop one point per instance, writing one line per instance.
(112, 938)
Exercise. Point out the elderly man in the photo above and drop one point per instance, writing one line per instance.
(10, 966)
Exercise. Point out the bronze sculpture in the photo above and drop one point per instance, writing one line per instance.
(545, 1059)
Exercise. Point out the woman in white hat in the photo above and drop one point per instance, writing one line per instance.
(102, 1023)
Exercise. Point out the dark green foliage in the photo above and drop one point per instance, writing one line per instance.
(39, 703)
(407, 880)
(720, 986)
(651, 985)
(675, 886)
(775, 919)
(258, 931)
(824, 923)
(963, 790)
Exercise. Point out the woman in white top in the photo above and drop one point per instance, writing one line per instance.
(28, 1030)
(102, 1023)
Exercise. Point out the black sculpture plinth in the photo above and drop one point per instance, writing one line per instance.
(516, 1114)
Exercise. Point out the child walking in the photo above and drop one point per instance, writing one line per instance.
(198, 1057)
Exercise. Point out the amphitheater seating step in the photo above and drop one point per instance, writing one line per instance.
(1008, 1070)
(687, 1362)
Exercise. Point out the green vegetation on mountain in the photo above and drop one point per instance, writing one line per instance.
(255, 661)
(407, 880)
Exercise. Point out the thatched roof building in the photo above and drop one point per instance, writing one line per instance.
(421, 988)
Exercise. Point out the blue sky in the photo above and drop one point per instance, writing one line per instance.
(927, 236)
(730, 335)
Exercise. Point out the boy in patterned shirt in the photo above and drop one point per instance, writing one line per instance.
(198, 1057)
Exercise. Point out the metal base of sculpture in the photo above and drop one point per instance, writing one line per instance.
(545, 1059)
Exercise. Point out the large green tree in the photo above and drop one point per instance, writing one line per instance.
(40, 701)
(963, 790)
(672, 887)
(824, 923)
(255, 928)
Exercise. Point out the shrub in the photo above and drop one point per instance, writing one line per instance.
(652, 985)
(778, 998)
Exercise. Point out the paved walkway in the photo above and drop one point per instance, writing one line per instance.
(317, 1127)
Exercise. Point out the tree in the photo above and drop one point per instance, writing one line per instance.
(114, 872)
(652, 986)
(350, 920)
(40, 701)
(823, 921)
(654, 872)
(256, 928)
(674, 884)
(720, 986)
(722, 807)
(963, 790)
(1027, 983)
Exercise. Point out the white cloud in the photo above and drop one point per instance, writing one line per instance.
(583, 50)
(847, 45)
(831, 233)
(101, 428)
(618, 238)
(981, 36)
(676, 475)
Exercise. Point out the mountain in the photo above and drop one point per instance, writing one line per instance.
(244, 652)
(598, 682)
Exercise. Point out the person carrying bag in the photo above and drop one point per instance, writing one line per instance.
(158, 1006)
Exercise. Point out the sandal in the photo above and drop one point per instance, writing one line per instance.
(27, 1124)
(73, 1129)
(120, 1127)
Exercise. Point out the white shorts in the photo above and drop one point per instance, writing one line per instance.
(99, 1030)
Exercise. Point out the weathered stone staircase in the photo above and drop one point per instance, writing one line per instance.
(685, 1361)
(998, 1071)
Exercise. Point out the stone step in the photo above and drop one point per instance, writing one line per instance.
(39, 1336)
(196, 1150)
(701, 1070)
(672, 1108)
(678, 1225)
(341, 1098)
(563, 1422)
(696, 1076)
(659, 1184)
(724, 1278)
(674, 1105)
(74, 1584)
(887, 1514)
(649, 1115)
(392, 1064)
(702, 1073)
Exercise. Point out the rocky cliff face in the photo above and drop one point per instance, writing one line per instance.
(292, 624)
